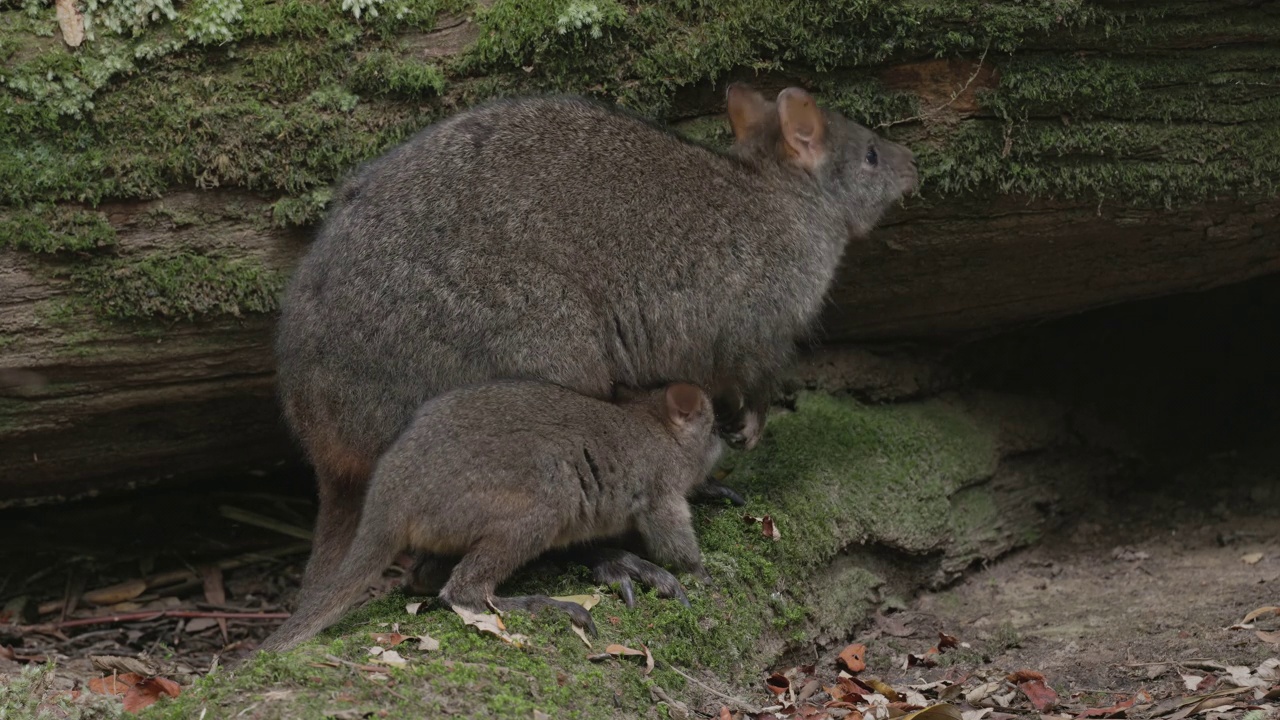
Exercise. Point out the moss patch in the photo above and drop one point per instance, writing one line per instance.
(180, 286)
(834, 472)
(52, 229)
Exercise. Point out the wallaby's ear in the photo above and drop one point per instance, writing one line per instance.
(804, 128)
(683, 402)
(748, 110)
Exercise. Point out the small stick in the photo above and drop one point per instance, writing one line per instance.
(166, 579)
(955, 96)
(742, 704)
(142, 616)
(247, 517)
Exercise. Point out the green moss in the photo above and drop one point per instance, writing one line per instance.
(382, 73)
(179, 286)
(51, 229)
(303, 210)
(284, 96)
(31, 693)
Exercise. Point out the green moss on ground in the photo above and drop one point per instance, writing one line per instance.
(833, 473)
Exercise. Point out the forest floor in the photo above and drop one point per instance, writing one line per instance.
(1126, 610)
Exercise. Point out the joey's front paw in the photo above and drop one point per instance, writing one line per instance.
(745, 434)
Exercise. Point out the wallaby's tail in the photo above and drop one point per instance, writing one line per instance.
(327, 599)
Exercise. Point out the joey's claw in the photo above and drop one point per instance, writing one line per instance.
(628, 592)
(618, 567)
(578, 615)
(712, 490)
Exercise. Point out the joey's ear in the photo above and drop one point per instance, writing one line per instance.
(683, 402)
(804, 128)
(748, 110)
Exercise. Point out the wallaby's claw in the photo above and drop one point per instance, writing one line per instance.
(620, 568)
(712, 490)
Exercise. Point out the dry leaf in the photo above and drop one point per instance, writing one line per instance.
(982, 692)
(387, 657)
(582, 634)
(1191, 682)
(195, 625)
(586, 601)
(71, 22)
(114, 684)
(777, 683)
(215, 593)
(853, 658)
(946, 642)
(147, 691)
(119, 593)
(1272, 637)
(490, 623)
(624, 651)
(943, 711)
(412, 608)
(767, 527)
(388, 640)
(428, 643)
(883, 688)
(1268, 610)
(1119, 708)
(1251, 558)
(123, 664)
(1032, 684)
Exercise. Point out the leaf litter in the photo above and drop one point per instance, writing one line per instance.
(847, 690)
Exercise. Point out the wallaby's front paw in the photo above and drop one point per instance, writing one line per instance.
(712, 490)
(618, 567)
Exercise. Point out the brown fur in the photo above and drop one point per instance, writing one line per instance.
(496, 474)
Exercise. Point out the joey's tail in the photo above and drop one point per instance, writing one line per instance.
(325, 600)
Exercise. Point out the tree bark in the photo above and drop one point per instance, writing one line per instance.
(160, 184)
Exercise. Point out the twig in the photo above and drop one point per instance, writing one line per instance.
(954, 96)
(741, 704)
(358, 666)
(173, 577)
(247, 517)
(143, 616)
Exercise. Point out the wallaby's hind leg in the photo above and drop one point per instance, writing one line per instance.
(486, 565)
(429, 574)
(341, 503)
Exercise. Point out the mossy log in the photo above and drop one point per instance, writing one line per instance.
(158, 180)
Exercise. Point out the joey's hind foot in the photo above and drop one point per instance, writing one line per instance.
(612, 566)
(533, 603)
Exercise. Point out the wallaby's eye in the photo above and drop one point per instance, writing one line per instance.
(872, 157)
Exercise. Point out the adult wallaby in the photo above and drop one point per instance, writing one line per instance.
(496, 474)
(563, 240)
